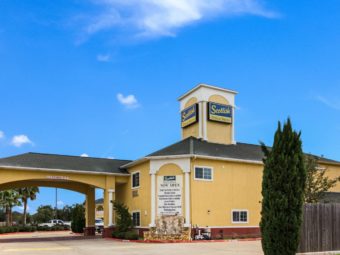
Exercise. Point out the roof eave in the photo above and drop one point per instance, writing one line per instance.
(139, 161)
(206, 86)
(335, 163)
(61, 170)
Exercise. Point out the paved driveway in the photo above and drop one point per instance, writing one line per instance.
(107, 246)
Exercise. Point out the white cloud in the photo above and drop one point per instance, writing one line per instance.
(2, 134)
(164, 17)
(19, 140)
(129, 101)
(84, 155)
(330, 103)
(60, 203)
(103, 57)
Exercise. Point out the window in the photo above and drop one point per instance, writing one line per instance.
(240, 216)
(136, 219)
(135, 180)
(203, 173)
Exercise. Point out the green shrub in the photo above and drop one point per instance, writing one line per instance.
(131, 235)
(124, 218)
(78, 219)
(2, 231)
(25, 229)
(43, 228)
(119, 235)
(114, 234)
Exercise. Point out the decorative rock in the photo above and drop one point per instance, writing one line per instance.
(168, 228)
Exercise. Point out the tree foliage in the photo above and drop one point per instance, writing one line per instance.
(283, 186)
(28, 193)
(78, 218)
(123, 217)
(9, 199)
(65, 213)
(44, 214)
(317, 182)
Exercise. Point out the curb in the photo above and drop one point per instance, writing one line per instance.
(192, 241)
(20, 233)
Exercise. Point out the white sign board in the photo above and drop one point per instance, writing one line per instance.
(169, 195)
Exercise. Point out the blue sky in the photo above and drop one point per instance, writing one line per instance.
(101, 77)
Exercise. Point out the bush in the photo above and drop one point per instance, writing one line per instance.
(131, 235)
(78, 219)
(43, 228)
(124, 218)
(14, 229)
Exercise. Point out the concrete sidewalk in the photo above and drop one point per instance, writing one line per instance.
(110, 247)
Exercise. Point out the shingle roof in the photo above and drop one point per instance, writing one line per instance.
(239, 151)
(62, 162)
(99, 201)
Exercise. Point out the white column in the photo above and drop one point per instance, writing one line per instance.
(187, 200)
(110, 207)
(153, 200)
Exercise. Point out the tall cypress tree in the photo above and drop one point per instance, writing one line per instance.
(283, 186)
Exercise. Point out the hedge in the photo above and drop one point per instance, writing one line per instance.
(129, 235)
(15, 229)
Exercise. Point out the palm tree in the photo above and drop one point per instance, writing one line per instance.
(26, 194)
(9, 199)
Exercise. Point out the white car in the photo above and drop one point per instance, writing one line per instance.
(52, 223)
(99, 225)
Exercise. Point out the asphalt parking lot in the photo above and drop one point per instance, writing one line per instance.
(109, 246)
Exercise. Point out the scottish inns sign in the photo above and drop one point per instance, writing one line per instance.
(189, 115)
(220, 112)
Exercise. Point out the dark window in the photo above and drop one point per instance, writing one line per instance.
(199, 173)
(136, 219)
(240, 216)
(203, 173)
(135, 180)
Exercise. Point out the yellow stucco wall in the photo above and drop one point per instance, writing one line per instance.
(12, 175)
(192, 130)
(234, 186)
(219, 132)
(333, 171)
(142, 202)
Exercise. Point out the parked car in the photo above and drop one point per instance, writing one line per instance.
(54, 222)
(99, 225)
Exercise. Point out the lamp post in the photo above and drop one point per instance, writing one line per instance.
(56, 203)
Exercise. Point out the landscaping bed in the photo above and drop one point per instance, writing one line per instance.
(16, 229)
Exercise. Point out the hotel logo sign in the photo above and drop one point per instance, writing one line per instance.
(189, 115)
(220, 112)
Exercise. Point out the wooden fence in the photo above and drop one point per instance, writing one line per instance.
(320, 228)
